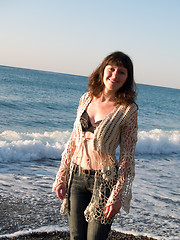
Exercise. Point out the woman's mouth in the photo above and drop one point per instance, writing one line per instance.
(113, 81)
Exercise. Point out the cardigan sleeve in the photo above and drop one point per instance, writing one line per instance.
(126, 169)
(63, 172)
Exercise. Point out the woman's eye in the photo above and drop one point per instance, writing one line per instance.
(111, 69)
(121, 72)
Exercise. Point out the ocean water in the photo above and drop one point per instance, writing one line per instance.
(37, 110)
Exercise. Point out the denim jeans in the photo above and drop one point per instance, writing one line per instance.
(80, 194)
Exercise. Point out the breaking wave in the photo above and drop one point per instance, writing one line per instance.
(31, 146)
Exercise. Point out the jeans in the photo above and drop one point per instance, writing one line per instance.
(80, 194)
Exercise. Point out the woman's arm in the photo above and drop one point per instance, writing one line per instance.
(122, 190)
(62, 174)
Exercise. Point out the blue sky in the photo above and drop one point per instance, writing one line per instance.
(73, 36)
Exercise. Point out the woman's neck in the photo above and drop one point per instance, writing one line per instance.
(107, 96)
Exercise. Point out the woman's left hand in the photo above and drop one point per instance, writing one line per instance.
(112, 210)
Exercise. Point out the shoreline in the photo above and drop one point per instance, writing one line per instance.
(62, 235)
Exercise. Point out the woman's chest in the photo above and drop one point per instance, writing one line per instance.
(97, 111)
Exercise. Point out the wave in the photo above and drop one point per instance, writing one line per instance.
(31, 146)
(158, 141)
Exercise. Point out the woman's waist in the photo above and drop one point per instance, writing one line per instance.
(87, 163)
(88, 149)
(93, 161)
(78, 169)
(108, 173)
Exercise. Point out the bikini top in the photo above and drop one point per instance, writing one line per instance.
(86, 123)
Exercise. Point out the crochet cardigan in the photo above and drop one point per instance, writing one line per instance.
(118, 128)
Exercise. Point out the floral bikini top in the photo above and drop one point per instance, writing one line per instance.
(86, 123)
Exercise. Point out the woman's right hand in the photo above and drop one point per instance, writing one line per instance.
(61, 191)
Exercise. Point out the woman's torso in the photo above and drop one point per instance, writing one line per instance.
(90, 120)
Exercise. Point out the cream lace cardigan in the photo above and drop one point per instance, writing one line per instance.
(119, 128)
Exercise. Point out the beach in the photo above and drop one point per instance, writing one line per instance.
(37, 112)
(65, 236)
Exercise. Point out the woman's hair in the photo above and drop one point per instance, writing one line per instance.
(127, 93)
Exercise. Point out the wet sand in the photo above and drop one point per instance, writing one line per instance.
(65, 236)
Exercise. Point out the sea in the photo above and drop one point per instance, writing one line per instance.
(37, 111)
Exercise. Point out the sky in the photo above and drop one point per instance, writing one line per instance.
(74, 36)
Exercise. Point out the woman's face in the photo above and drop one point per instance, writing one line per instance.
(114, 77)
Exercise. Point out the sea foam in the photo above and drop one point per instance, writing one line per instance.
(158, 141)
(31, 146)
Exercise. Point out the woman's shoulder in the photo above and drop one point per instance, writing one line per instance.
(84, 97)
(128, 111)
(134, 106)
(130, 107)
(132, 111)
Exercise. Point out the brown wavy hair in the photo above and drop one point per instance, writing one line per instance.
(127, 93)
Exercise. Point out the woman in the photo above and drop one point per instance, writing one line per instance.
(91, 182)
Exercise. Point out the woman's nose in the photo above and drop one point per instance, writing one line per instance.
(114, 74)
